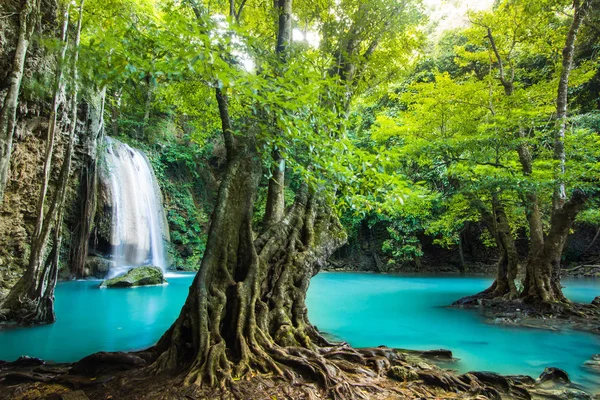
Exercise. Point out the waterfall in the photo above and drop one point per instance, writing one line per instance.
(138, 221)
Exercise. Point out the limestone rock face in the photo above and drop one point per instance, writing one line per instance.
(98, 266)
(139, 276)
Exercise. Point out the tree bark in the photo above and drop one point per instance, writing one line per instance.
(542, 283)
(147, 107)
(275, 195)
(581, 8)
(51, 134)
(461, 253)
(504, 285)
(88, 212)
(8, 114)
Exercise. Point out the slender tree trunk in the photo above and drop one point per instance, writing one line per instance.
(88, 212)
(461, 253)
(115, 107)
(147, 107)
(589, 246)
(8, 114)
(275, 195)
(52, 125)
(580, 10)
(275, 207)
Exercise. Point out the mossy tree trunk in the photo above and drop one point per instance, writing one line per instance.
(8, 114)
(246, 310)
(504, 285)
(275, 194)
(89, 195)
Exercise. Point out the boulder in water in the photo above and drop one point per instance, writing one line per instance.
(439, 354)
(556, 375)
(139, 276)
(593, 363)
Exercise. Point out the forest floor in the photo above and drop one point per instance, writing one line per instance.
(124, 376)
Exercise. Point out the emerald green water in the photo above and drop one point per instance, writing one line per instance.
(362, 309)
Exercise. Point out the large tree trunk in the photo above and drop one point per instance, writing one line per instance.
(542, 282)
(504, 285)
(8, 114)
(246, 309)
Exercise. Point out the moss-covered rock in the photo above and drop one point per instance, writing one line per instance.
(139, 276)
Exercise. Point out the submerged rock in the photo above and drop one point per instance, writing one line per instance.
(439, 354)
(26, 361)
(556, 375)
(593, 363)
(139, 276)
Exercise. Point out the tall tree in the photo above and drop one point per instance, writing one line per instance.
(542, 282)
(246, 310)
(8, 114)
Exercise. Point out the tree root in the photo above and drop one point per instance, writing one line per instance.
(335, 372)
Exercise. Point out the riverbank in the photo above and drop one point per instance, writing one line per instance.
(387, 374)
(554, 317)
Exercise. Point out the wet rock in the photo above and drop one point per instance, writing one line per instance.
(596, 301)
(439, 354)
(98, 266)
(492, 379)
(555, 375)
(105, 361)
(402, 374)
(139, 276)
(562, 394)
(593, 363)
(521, 379)
(26, 361)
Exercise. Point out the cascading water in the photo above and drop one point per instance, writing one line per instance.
(138, 227)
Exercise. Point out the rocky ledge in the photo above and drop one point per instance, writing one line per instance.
(139, 276)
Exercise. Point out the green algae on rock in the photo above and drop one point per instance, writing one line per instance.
(139, 276)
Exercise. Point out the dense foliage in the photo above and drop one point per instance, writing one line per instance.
(414, 135)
